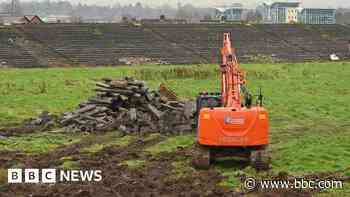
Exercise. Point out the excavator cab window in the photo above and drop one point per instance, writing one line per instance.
(207, 100)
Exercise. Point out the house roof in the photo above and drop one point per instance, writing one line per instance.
(323, 10)
(32, 17)
(224, 9)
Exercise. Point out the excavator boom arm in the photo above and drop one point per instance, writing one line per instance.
(231, 76)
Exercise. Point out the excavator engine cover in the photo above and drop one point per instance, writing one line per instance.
(224, 126)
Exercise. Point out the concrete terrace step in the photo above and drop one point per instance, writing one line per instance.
(98, 44)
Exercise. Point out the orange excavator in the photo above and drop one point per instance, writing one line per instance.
(228, 123)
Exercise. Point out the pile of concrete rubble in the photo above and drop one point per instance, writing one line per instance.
(44, 122)
(141, 61)
(130, 106)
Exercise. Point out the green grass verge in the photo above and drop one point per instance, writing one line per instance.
(37, 142)
(182, 168)
(70, 165)
(100, 142)
(345, 191)
(293, 91)
(171, 144)
(134, 164)
(27, 92)
(312, 154)
(152, 136)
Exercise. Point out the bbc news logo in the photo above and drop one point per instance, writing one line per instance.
(50, 176)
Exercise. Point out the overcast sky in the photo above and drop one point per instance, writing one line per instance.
(209, 3)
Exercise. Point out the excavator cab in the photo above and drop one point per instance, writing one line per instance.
(228, 124)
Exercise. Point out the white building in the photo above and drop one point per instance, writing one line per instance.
(292, 12)
(229, 13)
(280, 12)
(317, 16)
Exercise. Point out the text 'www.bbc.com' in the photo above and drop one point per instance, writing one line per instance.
(254, 184)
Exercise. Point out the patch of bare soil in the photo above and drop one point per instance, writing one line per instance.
(153, 179)
(17, 130)
(8, 159)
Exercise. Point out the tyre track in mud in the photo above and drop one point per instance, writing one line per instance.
(155, 178)
(120, 180)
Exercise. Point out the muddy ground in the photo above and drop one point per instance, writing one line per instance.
(155, 178)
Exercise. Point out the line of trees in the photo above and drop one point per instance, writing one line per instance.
(105, 13)
(117, 12)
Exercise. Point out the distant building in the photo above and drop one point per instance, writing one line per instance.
(210, 21)
(57, 19)
(284, 12)
(20, 20)
(317, 16)
(292, 12)
(163, 20)
(34, 19)
(231, 13)
(265, 10)
(166, 21)
(14, 20)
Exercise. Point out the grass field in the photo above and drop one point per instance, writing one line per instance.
(309, 105)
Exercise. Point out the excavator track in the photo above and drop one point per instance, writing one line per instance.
(201, 157)
(261, 160)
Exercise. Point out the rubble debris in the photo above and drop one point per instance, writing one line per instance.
(45, 118)
(164, 91)
(334, 57)
(43, 122)
(141, 61)
(129, 106)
